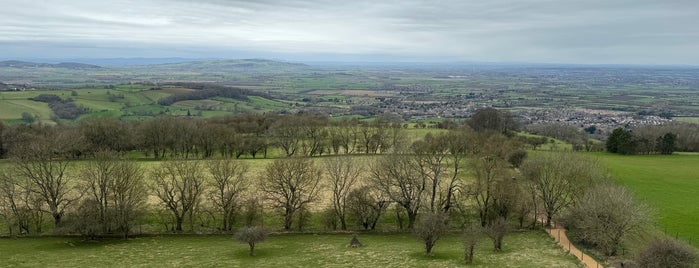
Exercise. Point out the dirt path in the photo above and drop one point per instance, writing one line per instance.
(559, 234)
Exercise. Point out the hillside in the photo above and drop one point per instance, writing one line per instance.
(243, 65)
(64, 65)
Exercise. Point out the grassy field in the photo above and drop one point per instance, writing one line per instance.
(669, 184)
(522, 249)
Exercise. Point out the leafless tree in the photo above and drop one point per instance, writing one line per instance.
(397, 177)
(559, 179)
(116, 190)
(366, 205)
(43, 161)
(19, 205)
(228, 185)
(290, 184)
(179, 185)
(343, 173)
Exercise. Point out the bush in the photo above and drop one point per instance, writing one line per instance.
(496, 231)
(666, 252)
(604, 216)
(430, 228)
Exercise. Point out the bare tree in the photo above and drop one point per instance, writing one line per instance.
(19, 205)
(229, 183)
(431, 156)
(116, 191)
(559, 179)
(366, 206)
(397, 177)
(604, 216)
(43, 161)
(489, 167)
(343, 173)
(179, 185)
(430, 228)
(290, 184)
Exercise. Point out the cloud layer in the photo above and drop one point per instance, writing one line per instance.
(592, 31)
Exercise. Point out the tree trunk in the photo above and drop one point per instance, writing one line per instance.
(252, 248)
(428, 247)
(468, 256)
(343, 223)
(288, 220)
(178, 224)
(412, 216)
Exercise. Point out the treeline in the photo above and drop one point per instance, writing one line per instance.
(230, 136)
(251, 135)
(207, 91)
(662, 139)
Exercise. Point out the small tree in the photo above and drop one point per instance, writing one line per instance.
(251, 236)
(472, 234)
(430, 228)
(496, 231)
(666, 252)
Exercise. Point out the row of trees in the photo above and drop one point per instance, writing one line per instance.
(231, 136)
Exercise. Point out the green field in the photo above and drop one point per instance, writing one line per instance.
(670, 184)
(521, 249)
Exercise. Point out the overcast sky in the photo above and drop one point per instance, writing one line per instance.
(562, 31)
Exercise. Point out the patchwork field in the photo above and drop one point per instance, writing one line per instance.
(525, 249)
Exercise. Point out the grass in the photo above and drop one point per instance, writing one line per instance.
(694, 120)
(668, 183)
(522, 249)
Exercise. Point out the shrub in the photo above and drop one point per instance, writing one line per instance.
(666, 252)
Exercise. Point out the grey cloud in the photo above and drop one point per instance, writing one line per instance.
(594, 31)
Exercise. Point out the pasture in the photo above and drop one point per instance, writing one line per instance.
(668, 183)
(521, 249)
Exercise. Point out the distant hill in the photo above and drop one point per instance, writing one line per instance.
(65, 65)
(3, 86)
(230, 65)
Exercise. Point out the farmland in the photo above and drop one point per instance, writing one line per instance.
(416, 92)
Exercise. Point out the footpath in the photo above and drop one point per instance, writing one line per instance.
(559, 234)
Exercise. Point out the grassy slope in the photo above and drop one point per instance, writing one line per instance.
(528, 249)
(668, 183)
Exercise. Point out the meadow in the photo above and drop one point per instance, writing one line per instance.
(668, 183)
(521, 249)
